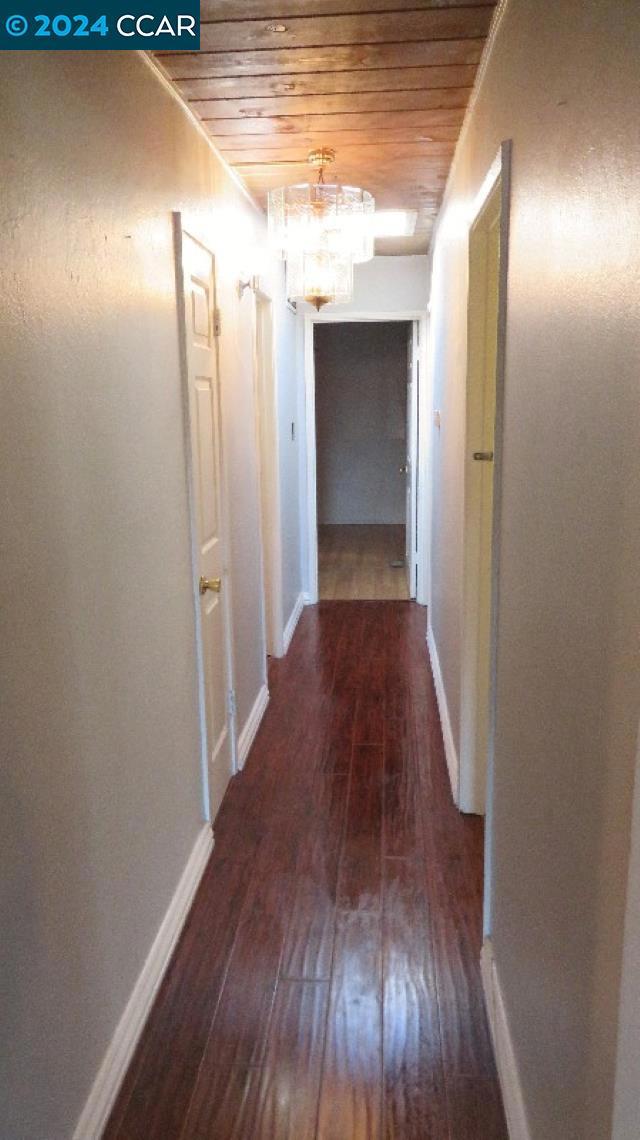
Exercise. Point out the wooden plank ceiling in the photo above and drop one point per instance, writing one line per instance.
(384, 82)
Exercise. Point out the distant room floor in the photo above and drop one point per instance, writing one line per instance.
(355, 563)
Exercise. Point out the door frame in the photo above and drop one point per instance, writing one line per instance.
(411, 455)
(420, 459)
(268, 450)
(499, 174)
(180, 230)
(627, 1075)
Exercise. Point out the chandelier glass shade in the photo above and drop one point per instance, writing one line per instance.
(309, 215)
(320, 277)
(321, 230)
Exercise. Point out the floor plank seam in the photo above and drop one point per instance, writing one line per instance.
(335, 925)
(181, 1135)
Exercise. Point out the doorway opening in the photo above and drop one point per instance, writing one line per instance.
(364, 456)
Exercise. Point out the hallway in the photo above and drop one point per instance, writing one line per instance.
(327, 981)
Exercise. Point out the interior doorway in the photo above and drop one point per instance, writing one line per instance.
(363, 399)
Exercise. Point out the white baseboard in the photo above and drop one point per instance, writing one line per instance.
(510, 1084)
(248, 734)
(290, 627)
(306, 599)
(123, 1043)
(445, 720)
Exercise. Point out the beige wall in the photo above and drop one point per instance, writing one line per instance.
(562, 83)
(101, 795)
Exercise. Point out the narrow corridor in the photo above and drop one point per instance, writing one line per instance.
(327, 981)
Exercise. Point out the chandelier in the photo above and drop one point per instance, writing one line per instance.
(321, 229)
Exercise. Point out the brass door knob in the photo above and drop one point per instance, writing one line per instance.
(214, 584)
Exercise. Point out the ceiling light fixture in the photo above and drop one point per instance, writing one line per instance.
(321, 229)
(319, 277)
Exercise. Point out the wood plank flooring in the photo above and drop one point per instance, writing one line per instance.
(354, 563)
(326, 985)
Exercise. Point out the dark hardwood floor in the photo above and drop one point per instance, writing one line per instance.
(327, 982)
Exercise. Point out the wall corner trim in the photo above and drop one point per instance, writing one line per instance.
(248, 734)
(503, 1048)
(294, 618)
(125, 1039)
(445, 720)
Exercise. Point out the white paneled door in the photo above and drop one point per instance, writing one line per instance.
(210, 566)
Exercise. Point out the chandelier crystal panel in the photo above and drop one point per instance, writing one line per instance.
(321, 230)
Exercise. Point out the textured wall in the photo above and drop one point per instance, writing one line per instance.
(101, 796)
(562, 84)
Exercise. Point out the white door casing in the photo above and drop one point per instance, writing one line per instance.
(411, 465)
(196, 276)
(268, 448)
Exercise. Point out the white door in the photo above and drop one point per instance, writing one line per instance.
(482, 347)
(203, 385)
(410, 464)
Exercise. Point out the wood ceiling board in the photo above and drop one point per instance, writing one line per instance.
(295, 157)
(383, 167)
(444, 98)
(339, 140)
(251, 87)
(214, 10)
(324, 124)
(347, 57)
(311, 31)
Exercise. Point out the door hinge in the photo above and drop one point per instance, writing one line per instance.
(231, 702)
(217, 322)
